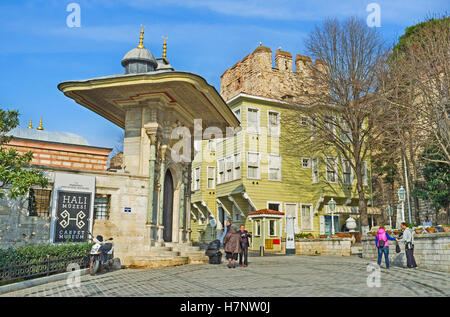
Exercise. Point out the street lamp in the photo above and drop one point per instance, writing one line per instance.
(401, 196)
(332, 206)
(389, 213)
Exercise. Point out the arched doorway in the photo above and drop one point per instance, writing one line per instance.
(168, 207)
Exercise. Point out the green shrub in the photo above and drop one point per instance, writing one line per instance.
(34, 253)
(302, 235)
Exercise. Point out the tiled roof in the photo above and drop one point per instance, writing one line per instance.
(266, 212)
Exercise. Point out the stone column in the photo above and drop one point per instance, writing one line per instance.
(181, 212)
(162, 175)
(188, 205)
(151, 185)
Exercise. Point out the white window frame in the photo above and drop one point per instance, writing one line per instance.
(269, 127)
(257, 232)
(220, 177)
(229, 176)
(237, 166)
(269, 155)
(309, 162)
(315, 167)
(213, 178)
(275, 202)
(346, 135)
(311, 214)
(275, 233)
(259, 165)
(258, 123)
(335, 169)
(343, 170)
(197, 177)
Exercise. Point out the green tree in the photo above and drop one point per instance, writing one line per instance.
(436, 186)
(16, 174)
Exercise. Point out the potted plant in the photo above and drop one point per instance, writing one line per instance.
(419, 230)
(446, 228)
(430, 229)
(323, 236)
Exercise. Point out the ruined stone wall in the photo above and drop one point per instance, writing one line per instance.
(254, 75)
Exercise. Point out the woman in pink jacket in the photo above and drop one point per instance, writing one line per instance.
(381, 241)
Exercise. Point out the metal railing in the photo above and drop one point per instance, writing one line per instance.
(37, 268)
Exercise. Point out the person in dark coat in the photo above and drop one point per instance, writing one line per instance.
(232, 242)
(245, 235)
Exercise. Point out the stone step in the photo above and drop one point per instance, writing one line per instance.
(150, 262)
(186, 249)
(197, 259)
(192, 253)
(151, 249)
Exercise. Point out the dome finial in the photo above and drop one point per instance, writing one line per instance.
(141, 38)
(40, 125)
(31, 124)
(165, 47)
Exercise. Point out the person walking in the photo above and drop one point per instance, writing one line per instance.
(232, 242)
(245, 235)
(381, 241)
(408, 239)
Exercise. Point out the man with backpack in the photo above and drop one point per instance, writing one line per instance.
(408, 239)
(381, 241)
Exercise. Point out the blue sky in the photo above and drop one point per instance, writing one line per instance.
(38, 50)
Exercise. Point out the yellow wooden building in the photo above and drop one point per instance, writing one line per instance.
(253, 168)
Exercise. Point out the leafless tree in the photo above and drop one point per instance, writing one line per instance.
(343, 104)
(418, 87)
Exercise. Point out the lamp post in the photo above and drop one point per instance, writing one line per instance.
(332, 206)
(401, 196)
(389, 213)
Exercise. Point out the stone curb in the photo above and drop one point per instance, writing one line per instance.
(38, 281)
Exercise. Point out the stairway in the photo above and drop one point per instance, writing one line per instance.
(171, 254)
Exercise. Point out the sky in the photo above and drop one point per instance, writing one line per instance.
(39, 50)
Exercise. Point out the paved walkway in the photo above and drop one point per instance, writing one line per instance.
(265, 276)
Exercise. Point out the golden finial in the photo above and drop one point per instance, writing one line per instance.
(141, 38)
(40, 125)
(165, 47)
(31, 124)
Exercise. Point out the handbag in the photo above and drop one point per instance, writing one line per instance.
(397, 248)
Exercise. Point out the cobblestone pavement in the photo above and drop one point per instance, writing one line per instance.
(265, 276)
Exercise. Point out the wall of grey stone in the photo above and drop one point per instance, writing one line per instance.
(17, 228)
(431, 251)
(333, 246)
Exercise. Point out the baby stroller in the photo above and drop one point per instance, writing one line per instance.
(212, 251)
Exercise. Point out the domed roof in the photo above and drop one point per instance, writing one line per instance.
(139, 54)
(139, 59)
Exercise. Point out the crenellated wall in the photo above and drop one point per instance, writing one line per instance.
(255, 75)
